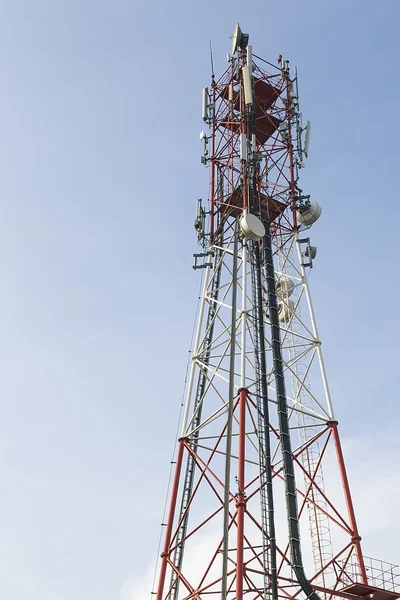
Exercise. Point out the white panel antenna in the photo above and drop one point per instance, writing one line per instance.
(204, 111)
(248, 90)
(307, 140)
(243, 147)
(249, 50)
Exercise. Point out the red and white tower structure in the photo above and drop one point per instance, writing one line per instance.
(260, 504)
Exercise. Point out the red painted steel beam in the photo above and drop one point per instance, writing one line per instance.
(171, 515)
(349, 502)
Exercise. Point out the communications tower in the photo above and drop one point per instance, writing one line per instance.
(260, 504)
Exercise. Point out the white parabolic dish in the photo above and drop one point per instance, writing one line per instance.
(235, 39)
(252, 227)
(310, 215)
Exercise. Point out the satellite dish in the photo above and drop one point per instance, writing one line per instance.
(286, 310)
(307, 140)
(284, 287)
(308, 214)
(239, 40)
(252, 227)
(311, 252)
(235, 40)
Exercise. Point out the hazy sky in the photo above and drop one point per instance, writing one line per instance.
(99, 175)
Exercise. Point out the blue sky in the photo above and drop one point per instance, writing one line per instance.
(99, 175)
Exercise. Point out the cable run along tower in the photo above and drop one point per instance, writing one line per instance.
(254, 513)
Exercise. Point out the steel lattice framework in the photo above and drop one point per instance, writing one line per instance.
(249, 474)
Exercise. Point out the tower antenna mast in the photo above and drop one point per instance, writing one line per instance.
(258, 426)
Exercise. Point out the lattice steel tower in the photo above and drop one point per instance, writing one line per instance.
(250, 514)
